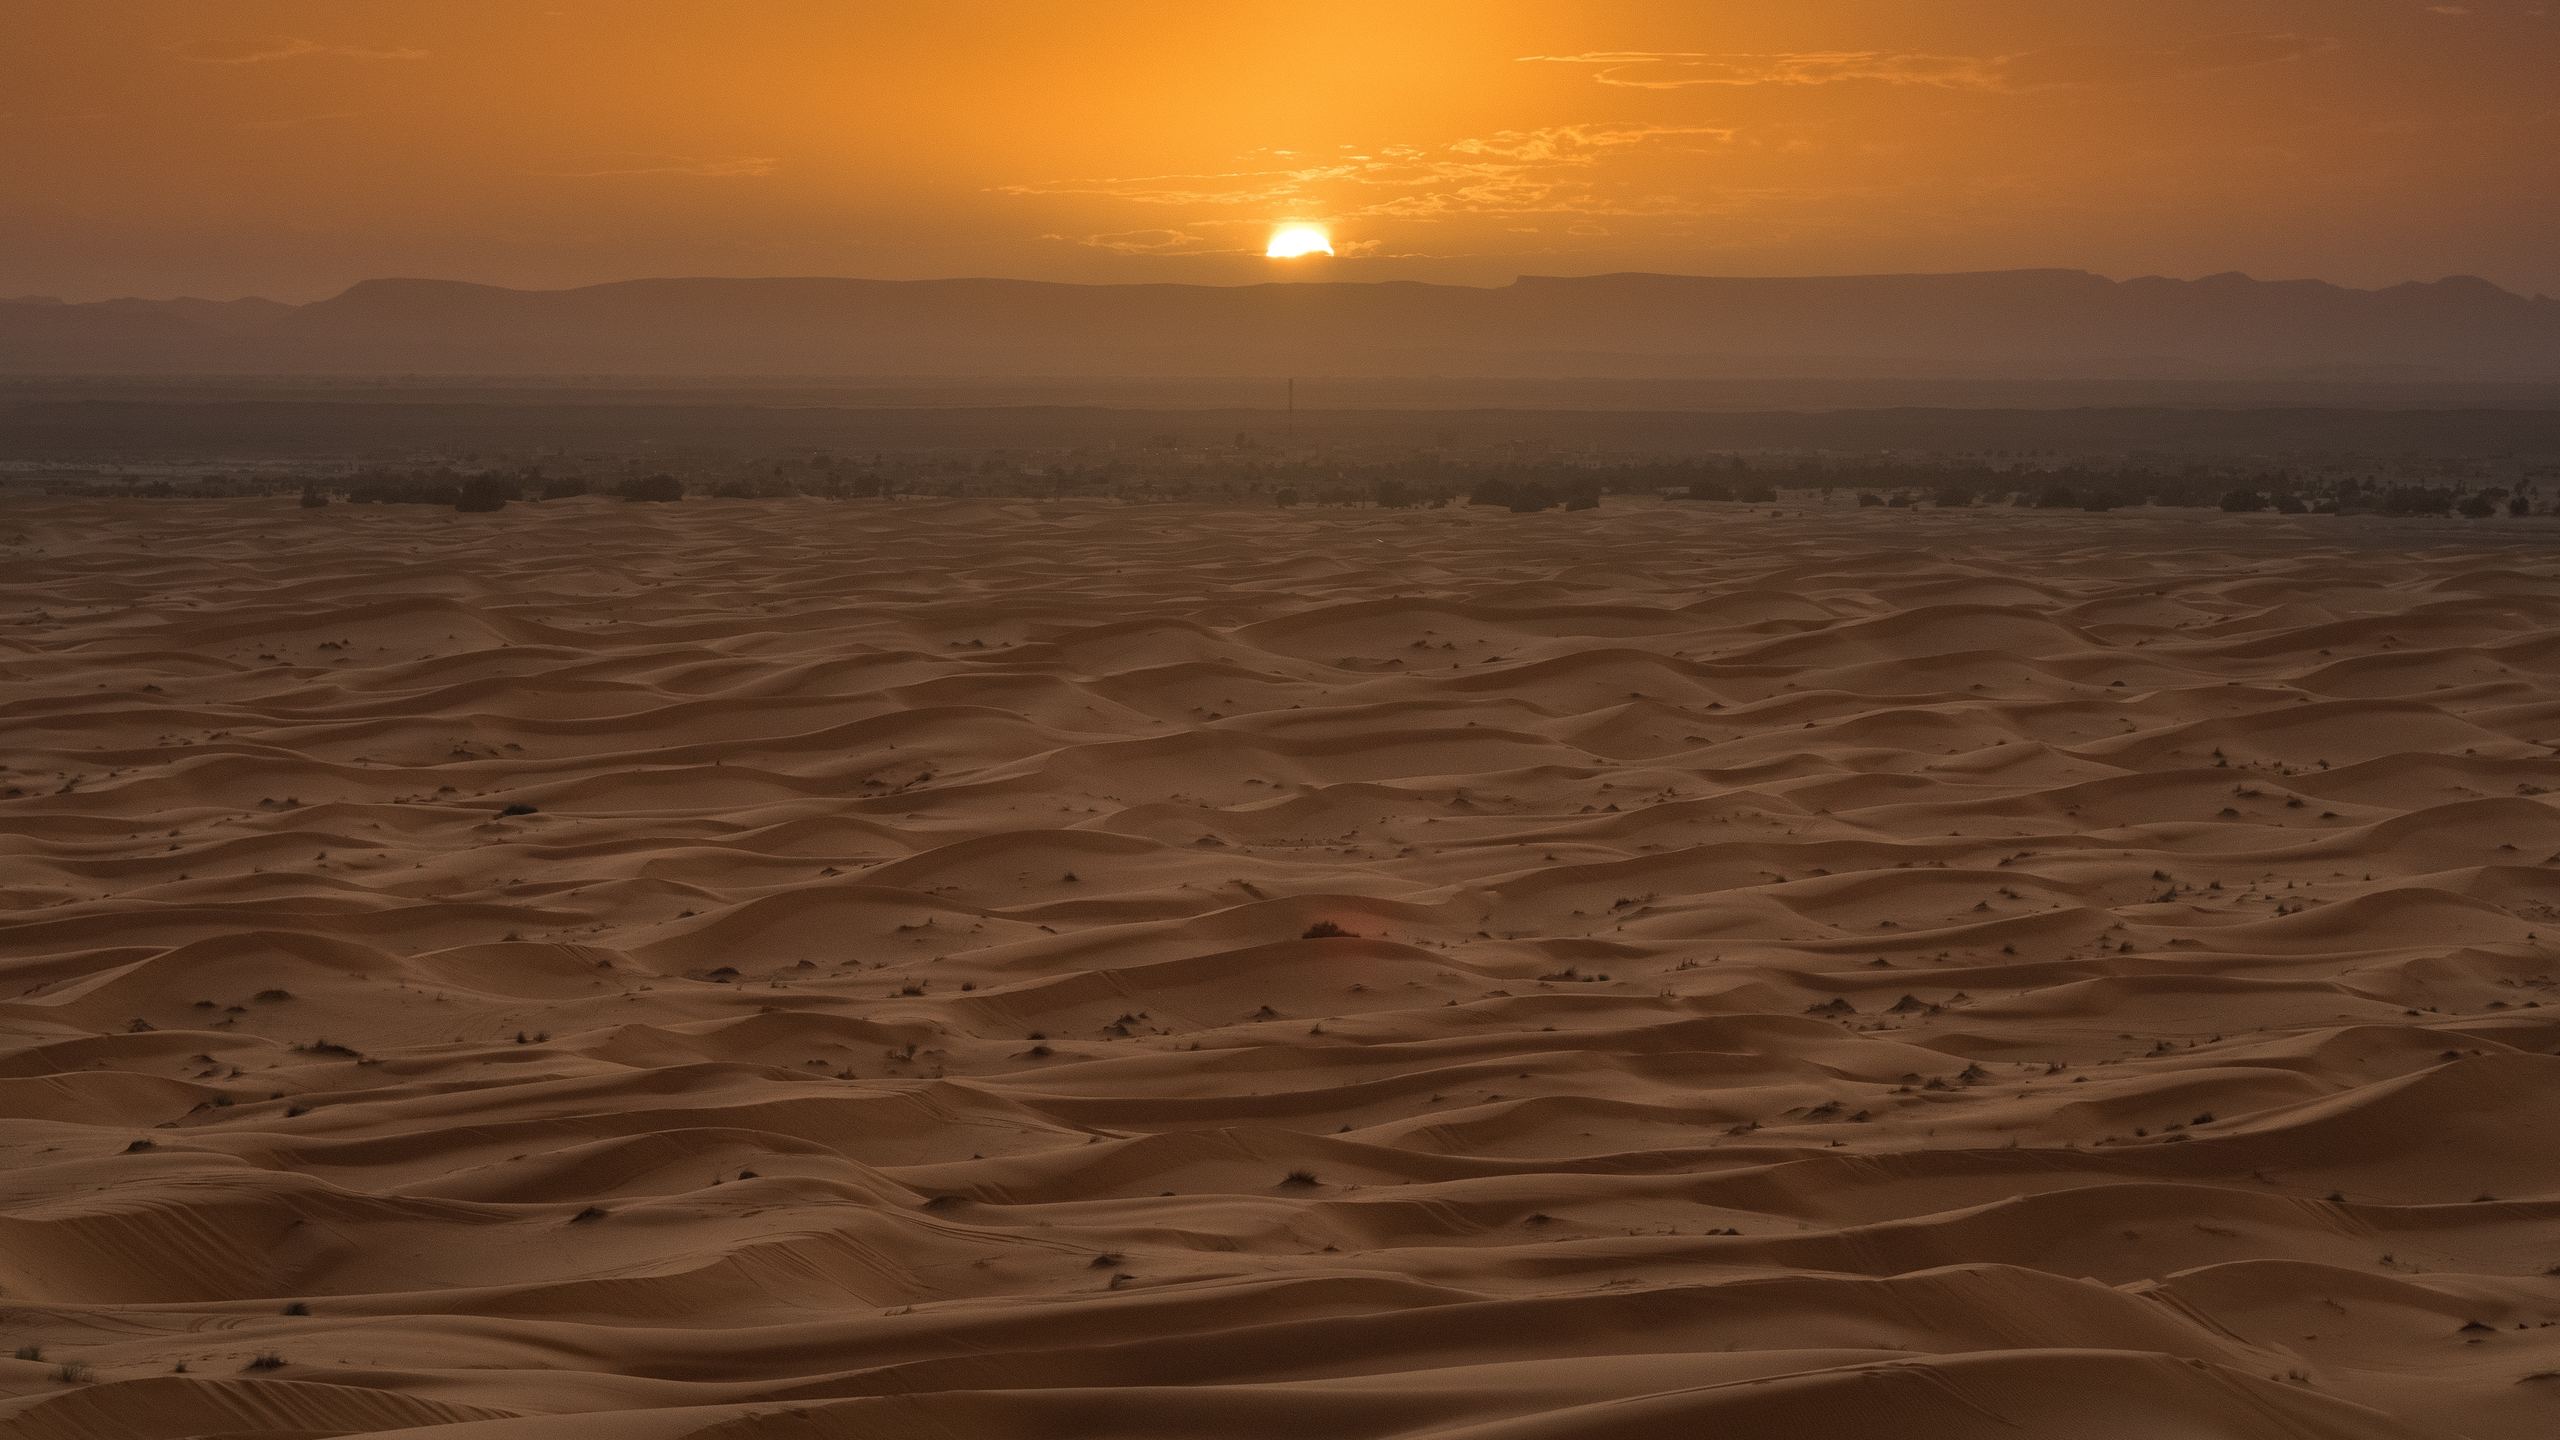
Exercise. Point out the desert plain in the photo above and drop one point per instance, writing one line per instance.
(761, 970)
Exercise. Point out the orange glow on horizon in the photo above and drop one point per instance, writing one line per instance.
(289, 148)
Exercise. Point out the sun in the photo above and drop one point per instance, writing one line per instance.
(1294, 242)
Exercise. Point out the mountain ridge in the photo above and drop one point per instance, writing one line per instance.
(2017, 323)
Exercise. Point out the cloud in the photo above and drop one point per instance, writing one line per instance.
(283, 47)
(2055, 68)
(1142, 242)
(1556, 169)
(1687, 69)
(1579, 143)
(1192, 188)
(609, 166)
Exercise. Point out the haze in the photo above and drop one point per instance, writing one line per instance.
(289, 148)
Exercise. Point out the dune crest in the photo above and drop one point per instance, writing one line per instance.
(755, 970)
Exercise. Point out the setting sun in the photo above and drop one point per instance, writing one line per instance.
(1293, 242)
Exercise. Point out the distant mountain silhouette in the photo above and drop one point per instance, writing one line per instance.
(2020, 324)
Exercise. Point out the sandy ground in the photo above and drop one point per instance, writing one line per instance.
(1893, 973)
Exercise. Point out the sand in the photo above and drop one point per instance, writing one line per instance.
(1938, 975)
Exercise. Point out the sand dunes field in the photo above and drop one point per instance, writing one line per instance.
(1927, 974)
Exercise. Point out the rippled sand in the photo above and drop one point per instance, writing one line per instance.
(1837, 974)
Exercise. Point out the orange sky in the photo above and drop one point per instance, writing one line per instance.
(290, 147)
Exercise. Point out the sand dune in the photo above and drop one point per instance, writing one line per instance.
(737, 971)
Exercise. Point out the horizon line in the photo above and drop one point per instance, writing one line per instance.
(1275, 282)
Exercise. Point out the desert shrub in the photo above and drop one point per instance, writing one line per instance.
(563, 489)
(2243, 502)
(1869, 498)
(658, 489)
(2416, 500)
(482, 494)
(1325, 930)
(312, 499)
(405, 490)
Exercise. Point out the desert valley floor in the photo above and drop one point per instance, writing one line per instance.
(804, 969)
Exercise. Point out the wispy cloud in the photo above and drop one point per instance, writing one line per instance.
(717, 168)
(1688, 69)
(1556, 169)
(265, 49)
(2058, 67)
(1582, 144)
(1144, 242)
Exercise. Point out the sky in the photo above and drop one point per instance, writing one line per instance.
(289, 148)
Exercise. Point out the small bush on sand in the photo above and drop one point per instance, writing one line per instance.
(482, 494)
